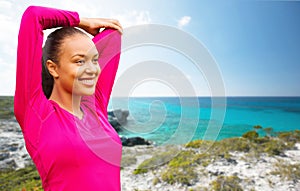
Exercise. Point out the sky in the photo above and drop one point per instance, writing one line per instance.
(255, 44)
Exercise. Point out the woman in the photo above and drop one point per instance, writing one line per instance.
(64, 123)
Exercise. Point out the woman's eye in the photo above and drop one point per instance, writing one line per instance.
(81, 62)
(95, 60)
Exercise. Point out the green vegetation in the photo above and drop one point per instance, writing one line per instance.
(202, 188)
(179, 175)
(199, 143)
(257, 127)
(185, 166)
(26, 179)
(251, 142)
(128, 160)
(251, 135)
(6, 107)
(180, 169)
(158, 159)
(287, 171)
(290, 137)
(226, 183)
(155, 181)
(269, 132)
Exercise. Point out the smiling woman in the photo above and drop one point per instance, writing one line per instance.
(63, 112)
(71, 63)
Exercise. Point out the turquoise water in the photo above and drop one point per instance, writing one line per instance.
(179, 120)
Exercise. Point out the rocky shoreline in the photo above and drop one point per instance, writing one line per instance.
(186, 168)
(247, 173)
(13, 154)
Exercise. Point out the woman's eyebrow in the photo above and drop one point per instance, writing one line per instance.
(85, 56)
(80, 55)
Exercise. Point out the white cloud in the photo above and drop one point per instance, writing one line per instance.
(8, 43)
(88, 9)
(5, 4)
(134, 17)
(7, 73)
(185, 20)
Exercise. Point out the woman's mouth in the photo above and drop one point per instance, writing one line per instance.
(87, 81)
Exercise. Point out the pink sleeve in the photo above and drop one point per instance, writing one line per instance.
(29, 91)
(108, 44)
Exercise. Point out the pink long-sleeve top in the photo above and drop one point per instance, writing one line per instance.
(69, 153)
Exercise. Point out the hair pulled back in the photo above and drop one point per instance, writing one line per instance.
(51, 51)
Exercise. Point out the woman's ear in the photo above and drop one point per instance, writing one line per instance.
(52, 68)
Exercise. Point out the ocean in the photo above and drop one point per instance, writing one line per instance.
(178, 120)
(166, 120)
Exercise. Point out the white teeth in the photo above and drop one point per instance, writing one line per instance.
(87, 82)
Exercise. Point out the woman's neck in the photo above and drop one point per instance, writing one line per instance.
(67, 101)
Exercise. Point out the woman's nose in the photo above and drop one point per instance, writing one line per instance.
(92, 68)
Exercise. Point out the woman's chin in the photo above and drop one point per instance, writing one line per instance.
(86, 92)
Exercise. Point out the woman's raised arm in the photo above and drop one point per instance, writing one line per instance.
(108, 44)
(29, 92)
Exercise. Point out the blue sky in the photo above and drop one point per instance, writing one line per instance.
(255, 43)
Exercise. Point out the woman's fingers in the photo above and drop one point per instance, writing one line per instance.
(93, 25)
(107, 23)
(115, 24)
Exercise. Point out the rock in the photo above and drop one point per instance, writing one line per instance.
(248, 166)
(263, 160)
(283, 155)
(13, 147)
(216, 173)
(132, 141)
(232, 161)
(10, 129)
(117, 118)
(115, 124)
(11, 164)
(120, 115)
(291, 186)
(4, 155)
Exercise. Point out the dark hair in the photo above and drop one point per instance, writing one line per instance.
(51, 51)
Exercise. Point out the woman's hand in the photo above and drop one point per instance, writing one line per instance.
(93, 25)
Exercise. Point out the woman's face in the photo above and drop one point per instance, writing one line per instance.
(78, 66)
